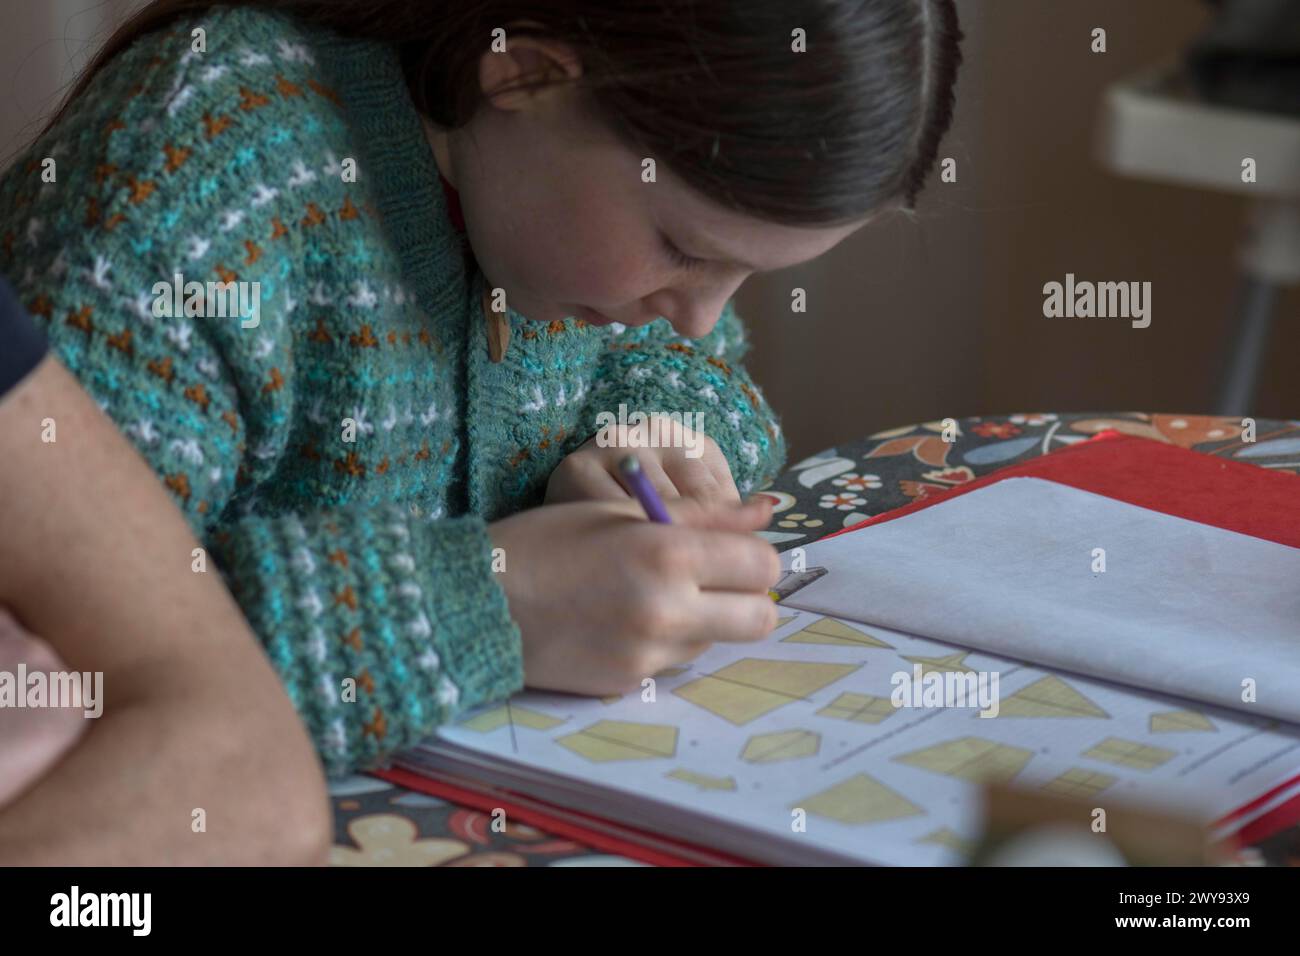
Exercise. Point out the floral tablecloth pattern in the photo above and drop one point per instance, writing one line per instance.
(377, 823)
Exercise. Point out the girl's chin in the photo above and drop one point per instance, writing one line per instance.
(589, 315)
(571, 311)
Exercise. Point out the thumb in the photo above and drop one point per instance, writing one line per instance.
(753, 515)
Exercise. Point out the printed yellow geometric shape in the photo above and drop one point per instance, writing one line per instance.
(830, 631)
(703, 781)
(1049, 697)
(782, 745)
(608, 740)
(948, 838)
(1175, 721)
(859, 708)
(859, 799)
(1130, 753)
(939, 665)
(782, 622)
(749, 688)
(1077, 782)
(970, 758)
(490, 720)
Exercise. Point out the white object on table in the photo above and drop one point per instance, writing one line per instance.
(1153, 126)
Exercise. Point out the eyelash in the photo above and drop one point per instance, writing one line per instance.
(679, 257)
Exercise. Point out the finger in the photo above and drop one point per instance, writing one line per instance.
(601, 484)
(727, 561)
(727, 490)
(694, 479)
(690, 650)
(654, 470)
(730, 617)
(589, 480)
(753, 515)
(731, 559)
(721, 469)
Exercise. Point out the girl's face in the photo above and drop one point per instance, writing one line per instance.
(559, 217)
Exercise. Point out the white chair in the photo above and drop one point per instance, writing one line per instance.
(1155, 127)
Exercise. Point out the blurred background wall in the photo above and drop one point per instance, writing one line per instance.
(43, 43)
(915, 320)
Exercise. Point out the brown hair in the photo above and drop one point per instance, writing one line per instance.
(709, 88)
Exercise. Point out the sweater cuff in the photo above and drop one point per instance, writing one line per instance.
(739, 420)
(478, 642)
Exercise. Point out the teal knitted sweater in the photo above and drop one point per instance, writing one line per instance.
(361, 563)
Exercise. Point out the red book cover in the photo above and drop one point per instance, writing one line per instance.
(1151, 474)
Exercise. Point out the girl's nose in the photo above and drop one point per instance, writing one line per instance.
(697, 320)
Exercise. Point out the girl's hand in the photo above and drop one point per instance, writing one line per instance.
(604, 598)
(590, 473)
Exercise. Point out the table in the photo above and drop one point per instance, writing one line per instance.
(379, 824)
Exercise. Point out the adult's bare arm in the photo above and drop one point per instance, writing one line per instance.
(96, 559)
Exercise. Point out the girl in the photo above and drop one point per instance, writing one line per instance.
(461, 232)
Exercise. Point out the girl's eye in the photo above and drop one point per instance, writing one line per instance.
(680, 258)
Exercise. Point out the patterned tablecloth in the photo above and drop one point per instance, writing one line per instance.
(378, 823)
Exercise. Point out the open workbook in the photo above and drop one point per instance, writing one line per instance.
(1026, 631)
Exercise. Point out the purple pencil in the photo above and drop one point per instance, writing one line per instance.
(635, 479)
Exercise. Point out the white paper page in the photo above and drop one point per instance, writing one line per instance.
(1182, 607)
(811, 726)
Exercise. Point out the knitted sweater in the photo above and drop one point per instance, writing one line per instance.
(363, 565)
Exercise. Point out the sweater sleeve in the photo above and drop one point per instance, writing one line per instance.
(408, 610)
(652, 369)
(381, 623)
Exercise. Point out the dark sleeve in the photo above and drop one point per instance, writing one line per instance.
(22, 343)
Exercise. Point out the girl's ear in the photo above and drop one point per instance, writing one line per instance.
(527, 68)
